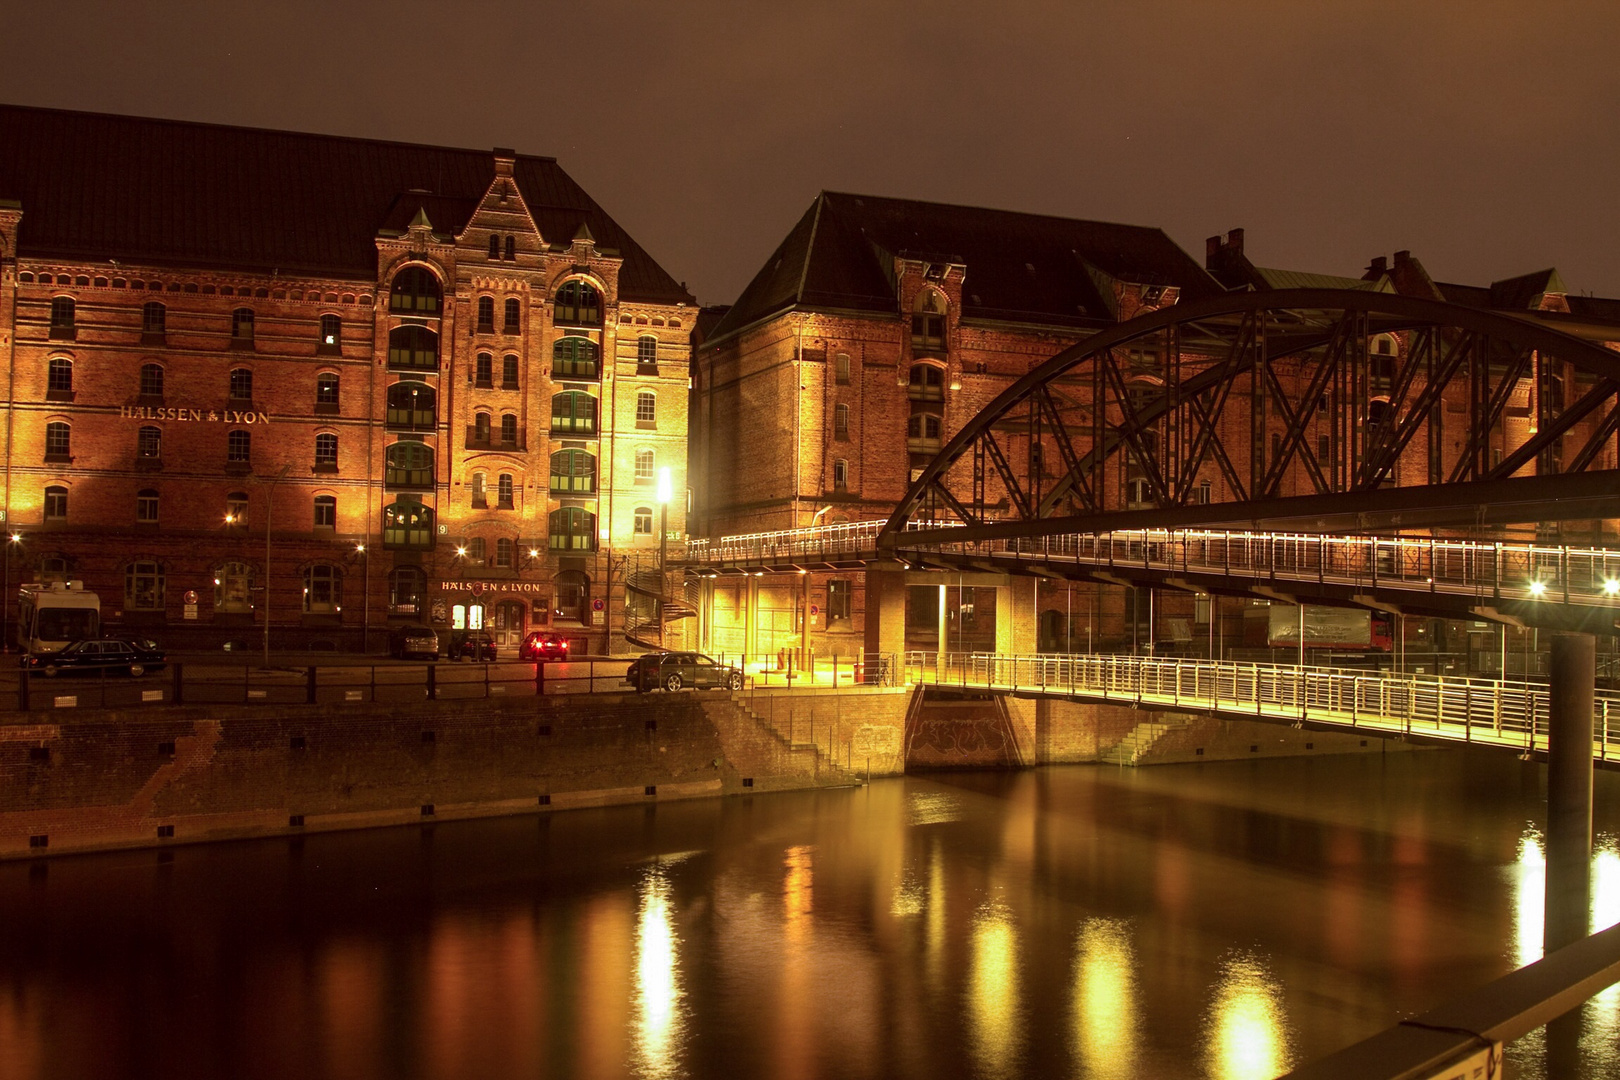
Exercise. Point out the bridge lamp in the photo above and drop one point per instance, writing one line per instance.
(1611, 587)
(1538, 589)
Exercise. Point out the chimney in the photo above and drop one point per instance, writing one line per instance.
(1402, 258)
(1234, 240)
(1378, 267)
(1212, 252)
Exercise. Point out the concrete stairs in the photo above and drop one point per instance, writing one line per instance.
(1135, 746)
(782, 749)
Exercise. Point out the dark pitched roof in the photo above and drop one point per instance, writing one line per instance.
(1526, 290)
(94, 186)
(1020, 267)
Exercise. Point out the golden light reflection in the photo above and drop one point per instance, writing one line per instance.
(1529, 897)
(798, 884)
(1105, 1001)
(995, 1012)
(658, 1023)
(1600, 1040)
(1247, 1029)
(936, 916)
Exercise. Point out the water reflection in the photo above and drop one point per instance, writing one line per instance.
(1529, 897)
(995, 1012)
(1105, 1005)
(658, 1025)
(1247, 1029)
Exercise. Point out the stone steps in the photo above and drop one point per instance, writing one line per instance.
(1135, 746)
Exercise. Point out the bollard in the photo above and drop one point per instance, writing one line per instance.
(310, 695)
(179, 693)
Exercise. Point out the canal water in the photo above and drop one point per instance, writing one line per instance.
(1223, 920)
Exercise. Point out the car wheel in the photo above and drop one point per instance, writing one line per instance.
(672, 681)
(136, 670)
(734, 681)
(51, 670)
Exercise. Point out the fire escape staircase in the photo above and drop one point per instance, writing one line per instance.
(655, 598)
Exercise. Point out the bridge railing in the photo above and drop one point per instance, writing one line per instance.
(1461, 709)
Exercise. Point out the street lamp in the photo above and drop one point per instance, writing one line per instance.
(12, 540)
(665, 490)
(365, 592)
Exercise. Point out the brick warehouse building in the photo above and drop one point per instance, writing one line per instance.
(880, 326)
(444, 382)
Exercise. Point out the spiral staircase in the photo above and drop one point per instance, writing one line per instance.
(655, 598)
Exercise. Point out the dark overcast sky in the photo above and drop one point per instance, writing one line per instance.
(1483, 136)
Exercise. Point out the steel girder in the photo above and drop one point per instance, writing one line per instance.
(1282, 403)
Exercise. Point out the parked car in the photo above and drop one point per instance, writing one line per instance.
(408, 641)
(96, 655)
(543, 645)
(471, 645)
(673, 670)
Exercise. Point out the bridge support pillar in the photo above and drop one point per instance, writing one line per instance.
(1017, 632)
(1569, 790)
(885, 628)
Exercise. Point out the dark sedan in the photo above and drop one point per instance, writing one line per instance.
(673, 670)
(94, 656)
(471, 645)
(543, 645)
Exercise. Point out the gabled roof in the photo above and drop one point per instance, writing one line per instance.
(1028, 268)
(1300, 279)
(167, 192)
(1526, 290)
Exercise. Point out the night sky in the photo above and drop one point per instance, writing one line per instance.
(1482, 136)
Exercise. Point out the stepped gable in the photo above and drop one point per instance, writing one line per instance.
(1021, 268)
(167, 192)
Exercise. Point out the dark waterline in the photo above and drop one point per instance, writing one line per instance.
(1226, 920)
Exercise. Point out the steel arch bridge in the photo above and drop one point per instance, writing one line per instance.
(1307, 409)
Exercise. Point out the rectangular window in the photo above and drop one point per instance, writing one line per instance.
(146, 507)
(505, 492)
(509, 372)
(840, 475)
(331, 341)
(509, 431)
(326, 393)
(62, 318)
(1324, 447)
(484, 371)
(838, 599)
(242, 326)
(841, 421)
(55, 503)
(325, 511)
(841, 370)
(242, 384)
(646, 409)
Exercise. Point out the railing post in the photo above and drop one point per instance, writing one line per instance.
(309, 685)
(432, 681)
(177, 694)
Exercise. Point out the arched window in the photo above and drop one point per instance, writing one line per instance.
(143, 586)
(509, 429)
(154, 321)
(575, 411)
(412, 406)
(241, 384)
(326, 452)
(509, 372)
(325, 512)
(574, 358)
(483, 371)
(927, 383)
(513, 320)
(407, 586)
(841, 475)
(59, 378)
(407, 524)
(1377, 415)
(646, 409)
(922, 432)
(326, 392)
(578, 304)
(486, 315)
(58, 440)
(928, 322)
(505, 492)
(840, 421)
(236, 504)
(56, 503)
(646, 466)
(62, 318)
(511, 248)
(149, 443)
(331, 339)
(239, 446)
(573, 471)
(415, 291)
(643, 521)
(480, 500)
(473, 550)
(233, 587)
(573, 595)
(572, 529)
(323, 589)
(841, 369)
(242, 327)
(408, 465)
(494, 247)
(481, 428)
(646, 355)
(151, 380)
(413, 348)
(504, 551)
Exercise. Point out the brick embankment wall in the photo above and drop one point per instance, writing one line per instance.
(110, 780)
(849, 732)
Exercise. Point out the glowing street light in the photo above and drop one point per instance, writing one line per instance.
(1612, 587)
(1538, 589)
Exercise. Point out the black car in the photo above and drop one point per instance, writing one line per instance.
(96, 655)
(471, 645)
(673, 670)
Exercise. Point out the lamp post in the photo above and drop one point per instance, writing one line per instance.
(12, 540)
(665, 490)
(269, 499)
(365, 591)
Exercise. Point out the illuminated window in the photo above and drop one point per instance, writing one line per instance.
(58, 440)
(143, 586)
(646, 409)
(151, 380)
(149, 443)
(241, 384)
(480, 500)
(56, 503)
(59, 377)
(146, 506)
(927, 383)
(326, 511)
(408, 465)
(839, 593)
(573, 470)
(512, 321)
(413, 348)
(486, 315)
(574, 358)
(505, 492)
(62, 318)
(928, 322)
(326, 392)
(236, 505)
(575, 411)
(643, 521)
(646, 466)
(233, 587)
(646, 356)
(331, 341)
(407, 524)
(572, 529)
(323, 589)
(326, 445)
(406, 587)
(578, 304)
(411, 406)
(239, 446)
(415, 291)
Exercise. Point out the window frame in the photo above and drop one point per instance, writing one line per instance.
(56, 502)
(144, 387)
(323, 506)
(326, 451)
(239, 446)
(147, 506)
(329, 337)
(646, 409)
